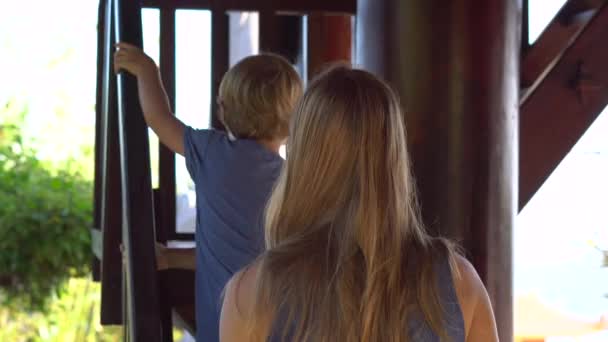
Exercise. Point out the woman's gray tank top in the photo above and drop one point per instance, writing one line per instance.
(453, 319)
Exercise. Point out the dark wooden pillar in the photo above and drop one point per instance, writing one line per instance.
(165, 196)
(280, 34)
(329, 40)
(219, 59)
(455, 66)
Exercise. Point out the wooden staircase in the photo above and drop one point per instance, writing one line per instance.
(147, 302)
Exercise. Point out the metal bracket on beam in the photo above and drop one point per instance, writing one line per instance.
(584, 84)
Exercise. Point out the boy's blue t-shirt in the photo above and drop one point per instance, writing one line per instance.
(233, 181)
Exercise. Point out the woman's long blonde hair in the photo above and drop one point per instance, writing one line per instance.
(347, 258)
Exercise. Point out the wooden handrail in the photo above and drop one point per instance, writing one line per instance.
(138, 233)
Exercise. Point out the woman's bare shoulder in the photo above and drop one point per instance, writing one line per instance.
(238, 303)
(480, 324)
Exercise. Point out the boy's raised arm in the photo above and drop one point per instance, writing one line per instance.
(152, 96)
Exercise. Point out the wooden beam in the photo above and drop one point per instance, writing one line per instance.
(561, 108)
(280, 34)
(111, 199)
(164, 199)
(178, 4)
(286, 6)
(291, 6)
(98, 118)
(219, 58)
(111, 263)
(163, 284)
(269, 32)
(101, 15)
(574, 9)
(143, 307)
(559, 34)
(165, 229)
(180, 295)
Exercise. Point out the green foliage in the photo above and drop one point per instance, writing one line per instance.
(45, 215)
(73, 316)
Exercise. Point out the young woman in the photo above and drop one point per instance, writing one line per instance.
(347, 257)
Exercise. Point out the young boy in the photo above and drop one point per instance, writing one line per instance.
(233, 172)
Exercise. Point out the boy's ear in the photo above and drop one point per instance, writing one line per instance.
(220, 108)
(220, 113)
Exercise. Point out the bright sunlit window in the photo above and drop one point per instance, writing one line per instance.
(560, 243)
(540, 15)
(561, 237)
(150, 18)
(192, 99)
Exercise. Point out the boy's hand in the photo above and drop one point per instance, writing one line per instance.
(133, 60)
(152, 96)
(162, 256)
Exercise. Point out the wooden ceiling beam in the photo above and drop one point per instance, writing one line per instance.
(278, 6)
(563, 105)
(573, 9)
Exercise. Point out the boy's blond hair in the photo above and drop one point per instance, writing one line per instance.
(257, 96)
